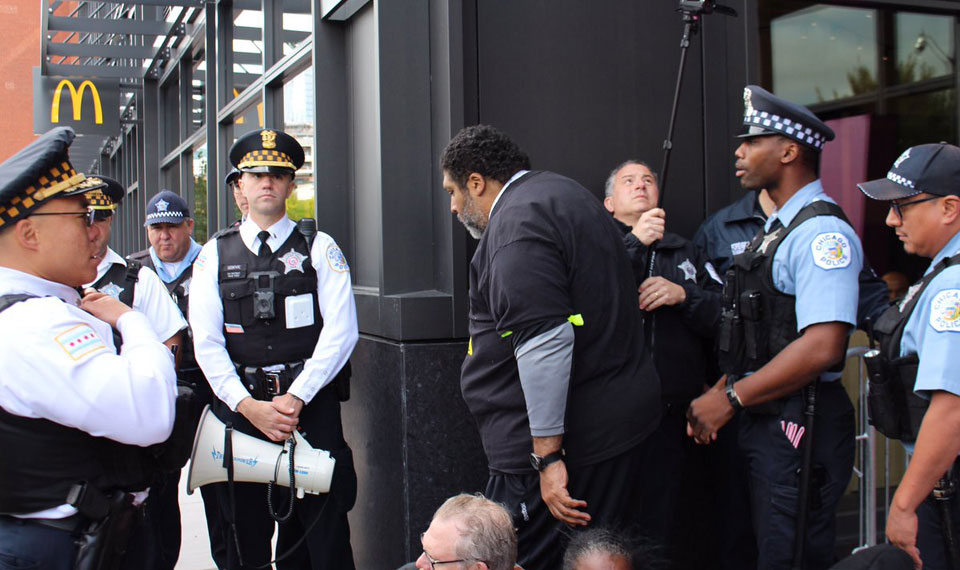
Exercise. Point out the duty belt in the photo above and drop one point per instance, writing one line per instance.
(264, 384)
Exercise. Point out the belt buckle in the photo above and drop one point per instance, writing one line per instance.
(272, 382)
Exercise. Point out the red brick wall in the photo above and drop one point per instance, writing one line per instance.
(19, 54)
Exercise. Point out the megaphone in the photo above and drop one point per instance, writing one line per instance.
(255, 460)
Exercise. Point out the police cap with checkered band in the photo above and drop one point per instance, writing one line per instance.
(766, 114)
(930, 168)
(39, 172)
(166, 207)
(267, 150)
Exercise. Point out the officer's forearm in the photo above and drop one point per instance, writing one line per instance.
(936, 449)
(818, 348)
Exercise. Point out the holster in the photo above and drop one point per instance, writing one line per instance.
(102, 545)
(172, 454)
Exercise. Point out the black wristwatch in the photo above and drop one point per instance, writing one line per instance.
(541, 463)
(733, 398)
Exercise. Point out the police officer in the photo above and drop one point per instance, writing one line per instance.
(790, 302)
(171, 255)
(230, 181)
(274, 321)
(72, 410)
(130, 282)
(920, 338)
(683, 298)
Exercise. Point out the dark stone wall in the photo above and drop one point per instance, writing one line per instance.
(414, 444)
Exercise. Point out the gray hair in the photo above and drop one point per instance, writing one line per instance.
(486, 530)
(608, 187)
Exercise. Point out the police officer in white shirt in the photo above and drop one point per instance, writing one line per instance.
(274, 322)
(72, 410)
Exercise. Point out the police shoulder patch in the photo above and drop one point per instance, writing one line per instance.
(945, 311)
(831, 250)
(336, 260)
(80, 341)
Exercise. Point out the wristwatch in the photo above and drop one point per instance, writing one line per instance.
(541, 463)
(733, 398)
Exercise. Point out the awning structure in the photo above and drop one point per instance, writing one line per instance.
(116, 41)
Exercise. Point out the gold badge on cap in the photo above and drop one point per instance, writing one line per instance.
(747, 102)
(269, 139)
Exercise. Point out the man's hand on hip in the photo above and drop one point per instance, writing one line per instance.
(265, 417)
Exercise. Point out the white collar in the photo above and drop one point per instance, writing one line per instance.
(504, 189)
(14, 281)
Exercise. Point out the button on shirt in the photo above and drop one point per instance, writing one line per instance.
(151, 298)
(819, 262)
(334, 298)
(59, 364)
(933, 329)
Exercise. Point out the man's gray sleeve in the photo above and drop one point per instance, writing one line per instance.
(544, 363)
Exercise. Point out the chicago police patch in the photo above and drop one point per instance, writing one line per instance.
(336, 259)
(831, 250)
(945, 310)
(292, 261)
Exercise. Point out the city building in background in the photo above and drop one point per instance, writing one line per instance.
(374, 89)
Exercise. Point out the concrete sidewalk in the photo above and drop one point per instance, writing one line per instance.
(194, 545)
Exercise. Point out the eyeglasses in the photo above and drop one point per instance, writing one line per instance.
(434, 563)
(89, 216)
(898, 208)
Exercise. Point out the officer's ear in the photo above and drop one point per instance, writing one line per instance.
(476, 184)
(25, 233)
(950, 209)
(789, 151)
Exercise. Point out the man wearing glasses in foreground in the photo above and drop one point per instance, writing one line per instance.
(73, 413)
(471, 531)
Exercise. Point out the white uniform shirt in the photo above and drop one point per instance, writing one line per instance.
(59, 363)
(335, 300)
(151, 297)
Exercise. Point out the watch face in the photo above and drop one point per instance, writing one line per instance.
(535, 461)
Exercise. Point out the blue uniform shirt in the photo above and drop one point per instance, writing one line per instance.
(819, 262)
(933, 329)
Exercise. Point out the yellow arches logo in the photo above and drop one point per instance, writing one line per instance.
(76, 96)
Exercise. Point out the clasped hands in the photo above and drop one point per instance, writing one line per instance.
(277, 418)
(708, 413)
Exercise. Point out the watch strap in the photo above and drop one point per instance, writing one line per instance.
(732, 396)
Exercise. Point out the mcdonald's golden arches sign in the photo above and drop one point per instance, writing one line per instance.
(91, 105)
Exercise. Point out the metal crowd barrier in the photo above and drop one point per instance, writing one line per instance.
(865, 465)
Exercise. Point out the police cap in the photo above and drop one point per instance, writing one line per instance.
(166, 207)
(231, 177)
(38, 172)
(267, 150)
(766, 114)
(930, 168)
(105, 193)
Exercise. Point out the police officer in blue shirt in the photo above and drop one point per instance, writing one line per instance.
(923, 188)
(790, 301)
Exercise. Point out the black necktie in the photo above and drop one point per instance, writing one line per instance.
(264, 248)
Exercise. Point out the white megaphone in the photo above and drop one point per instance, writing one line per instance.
(255, 460)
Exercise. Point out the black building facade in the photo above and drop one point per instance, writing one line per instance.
(374, 89)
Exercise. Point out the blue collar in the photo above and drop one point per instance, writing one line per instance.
(952, 248)
(789, 211)
(746, 208)
(186, 262)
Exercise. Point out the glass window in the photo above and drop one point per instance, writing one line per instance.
(247, 52)
(925, 118)
(248, 119)
(198, 92)
(298, 104)
(170, 177)
(200, 194)
(924, 46)
(822, 53)
(297, 24)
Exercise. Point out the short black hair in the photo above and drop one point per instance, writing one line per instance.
(640, 552)
(485, 150)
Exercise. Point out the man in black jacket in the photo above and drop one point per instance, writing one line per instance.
(682, 296)
(554, 365)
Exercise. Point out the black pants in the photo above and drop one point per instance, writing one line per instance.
(610, 488)
(328, 543)
(162, 520)
(930, 535)
(774, 463)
